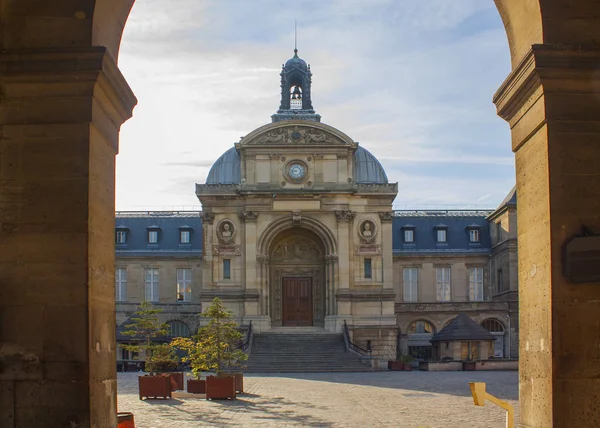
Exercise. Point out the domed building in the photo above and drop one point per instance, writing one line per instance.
(297, 234)
(308, 213)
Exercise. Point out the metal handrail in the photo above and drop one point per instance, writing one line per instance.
(246, 345)
(353, 346)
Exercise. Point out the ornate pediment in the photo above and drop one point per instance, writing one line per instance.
(294, 134)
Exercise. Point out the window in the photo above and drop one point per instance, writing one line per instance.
(409, 235)
(493, 326)
(121, 236)
(409, 276)
(226, 269)
(121, 284)
(184, 236)
(499, 281)
(153, 236)
(420, 327)
(368, 271)
(443, 284)
(151, 285)
(497, 329)
(184, 285)
(476, 284)
(441, 235)
(179, 329)
(474, 235)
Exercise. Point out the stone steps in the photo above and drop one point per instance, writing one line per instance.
(302, 351)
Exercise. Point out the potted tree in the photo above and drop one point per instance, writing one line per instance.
(407, 362)
(394, 361)
(218, 349)
(144, 328)
(196, 356)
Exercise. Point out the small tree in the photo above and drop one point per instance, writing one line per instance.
(144, 328)
(214, 347)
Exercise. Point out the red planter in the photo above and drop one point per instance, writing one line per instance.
(195, 386)
(407, 367)
(220, 387)
(468, 366)
(176, 381)
(239, 381)
(396, 365)
(125, 420)
(155, 386)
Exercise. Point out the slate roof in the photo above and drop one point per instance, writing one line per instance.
(137, 223)
(366, 168)
(425, 224)
(462, 328)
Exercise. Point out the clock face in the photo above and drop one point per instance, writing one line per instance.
(297, 171)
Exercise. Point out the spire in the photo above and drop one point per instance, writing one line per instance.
(295, 39)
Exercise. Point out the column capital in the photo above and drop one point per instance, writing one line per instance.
(386, 216)
(248, 216)
(345, 215)
(207, 218)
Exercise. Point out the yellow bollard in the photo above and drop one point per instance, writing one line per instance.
(479, 397)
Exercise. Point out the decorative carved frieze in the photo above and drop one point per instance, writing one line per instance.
(386, 216)
(377, 188)
(296, 249)
(342, 157)
(318, 156)
(345, 215)
(230, 250)
(211, 189)
(367, 249)
(295, 135)
(207, 218)
(248, 216)
(274, 156)
(250, 157)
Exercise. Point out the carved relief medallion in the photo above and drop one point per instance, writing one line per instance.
(226, 231)
(367, 231)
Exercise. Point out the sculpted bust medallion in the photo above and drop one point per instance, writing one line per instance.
(225, 230)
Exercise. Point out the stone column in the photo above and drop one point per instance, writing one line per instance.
(551, 101)
(61, 114)
(342, 273)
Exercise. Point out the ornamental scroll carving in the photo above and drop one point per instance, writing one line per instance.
(248, 216)
(345, 215)
(295, 135)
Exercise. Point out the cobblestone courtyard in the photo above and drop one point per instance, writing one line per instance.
(381, 399)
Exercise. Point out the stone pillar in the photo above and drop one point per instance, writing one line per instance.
(61, 114)
(208, 274)
(249, 258)
(552, 103)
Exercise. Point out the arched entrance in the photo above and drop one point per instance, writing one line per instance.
(297, 278)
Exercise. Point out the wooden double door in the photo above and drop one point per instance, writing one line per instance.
(297, 298)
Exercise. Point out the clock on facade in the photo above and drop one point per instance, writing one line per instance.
(296, 171)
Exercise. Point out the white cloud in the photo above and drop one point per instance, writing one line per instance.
(410, 80)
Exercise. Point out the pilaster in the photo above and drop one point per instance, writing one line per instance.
(61, 114)
(551, 103)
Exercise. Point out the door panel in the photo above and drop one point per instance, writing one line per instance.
(297, 301)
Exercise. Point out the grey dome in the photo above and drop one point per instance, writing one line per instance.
(226, 170)
(296, 61)
(367, 168)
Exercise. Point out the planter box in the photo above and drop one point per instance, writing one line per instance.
(441, 367)
(497, 365)
(408, 367)
(239, 380)
(220, 387)
(195, 386)
(396, 365)
(155, 386)
(176, 381)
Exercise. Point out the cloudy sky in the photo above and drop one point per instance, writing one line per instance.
(410, 80)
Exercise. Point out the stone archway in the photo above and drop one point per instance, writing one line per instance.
(297, 278)
(72, 117)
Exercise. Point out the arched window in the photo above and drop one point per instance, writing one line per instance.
(179, 329)
(493, 326)
(296, 97)
(420, 327)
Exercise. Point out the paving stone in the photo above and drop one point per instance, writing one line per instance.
(341, 400)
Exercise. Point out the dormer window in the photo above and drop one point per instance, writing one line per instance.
(185, 234)
(474, 233)
(153, 234)
(121, 234)
(441, 233)
(408, 233)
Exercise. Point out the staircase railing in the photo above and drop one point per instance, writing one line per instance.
(352, 345)
(246, 344)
